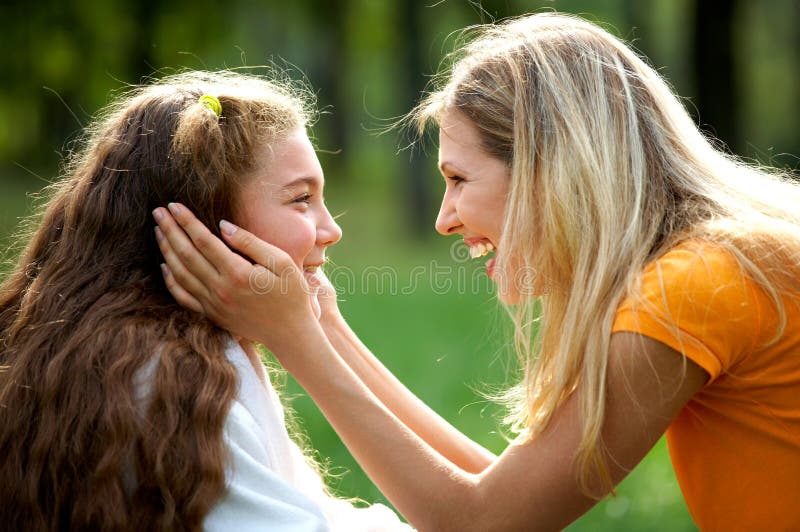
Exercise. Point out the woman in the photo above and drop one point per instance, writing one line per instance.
(120, 409)
(667, 274)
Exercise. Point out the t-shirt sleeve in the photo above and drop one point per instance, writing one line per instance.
(698, 301)
(257, 498)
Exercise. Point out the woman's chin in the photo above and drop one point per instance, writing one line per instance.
(518, 290)
(508, 298)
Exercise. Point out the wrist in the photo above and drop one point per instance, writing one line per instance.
(288, 336)
(333, 321)
(304, 349)
(337, 332)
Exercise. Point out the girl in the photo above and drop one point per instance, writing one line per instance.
(120, 409)
(667, 274)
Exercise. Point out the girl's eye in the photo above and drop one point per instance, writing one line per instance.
(303, 198)
(455, 179)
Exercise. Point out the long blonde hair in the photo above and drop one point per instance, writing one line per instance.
(608, 172)
(85, 312)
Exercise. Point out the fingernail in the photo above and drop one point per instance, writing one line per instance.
(158, 215)
(173, 208)
(159, 234)
(165, 271)
(227, 228)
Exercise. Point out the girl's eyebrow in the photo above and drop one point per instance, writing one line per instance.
(305, 180)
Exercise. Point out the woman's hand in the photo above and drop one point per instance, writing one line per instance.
(326, 298)
(267, 301)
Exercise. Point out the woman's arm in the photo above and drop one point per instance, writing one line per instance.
(409, 409)
(531, 485)
(420, 418)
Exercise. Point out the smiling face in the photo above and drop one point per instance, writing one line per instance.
(282, 202)
(475, 196)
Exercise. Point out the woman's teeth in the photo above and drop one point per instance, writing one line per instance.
(479, 250)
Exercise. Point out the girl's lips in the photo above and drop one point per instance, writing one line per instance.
(311, 277)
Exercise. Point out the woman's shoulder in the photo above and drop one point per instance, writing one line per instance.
(723, 276)
(693, 272)
(698, 299)
(699, 259)
(697, 274)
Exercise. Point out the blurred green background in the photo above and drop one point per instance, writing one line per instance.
(736, 64)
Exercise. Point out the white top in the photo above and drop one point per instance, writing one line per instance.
(270, 486)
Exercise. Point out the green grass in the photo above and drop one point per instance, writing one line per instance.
(446, 345)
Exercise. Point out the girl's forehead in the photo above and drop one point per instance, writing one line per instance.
(289, 162)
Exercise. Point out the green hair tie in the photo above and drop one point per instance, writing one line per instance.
(212, 103)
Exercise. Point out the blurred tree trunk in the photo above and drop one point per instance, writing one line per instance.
(141, 59)
(421, 203)
(328, 19)
(795, 148)
(417, 191)
(716, 91)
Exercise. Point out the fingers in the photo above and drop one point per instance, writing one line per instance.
(202, 253)
(185, 254)
(215, 253)
(325, 288)
(271, 257)
(183, 297)
(180, 276)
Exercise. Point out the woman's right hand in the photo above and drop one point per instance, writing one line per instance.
(327, 299)
(266, 301)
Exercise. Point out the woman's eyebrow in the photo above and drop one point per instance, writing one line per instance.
(446, 166)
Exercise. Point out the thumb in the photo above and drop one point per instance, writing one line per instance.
(326, 288)
(271, 257)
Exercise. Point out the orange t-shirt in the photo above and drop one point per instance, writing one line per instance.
(735, 446)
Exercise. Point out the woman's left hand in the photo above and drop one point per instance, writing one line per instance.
(267, 301)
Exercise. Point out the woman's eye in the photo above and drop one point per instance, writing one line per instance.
(303, 198)
(455, 179)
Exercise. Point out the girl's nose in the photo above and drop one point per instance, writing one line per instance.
(328, 231)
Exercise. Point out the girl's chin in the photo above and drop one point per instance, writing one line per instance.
(315, 308)
(313, 291)
(311, 279)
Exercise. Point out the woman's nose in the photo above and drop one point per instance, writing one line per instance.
(447, 221)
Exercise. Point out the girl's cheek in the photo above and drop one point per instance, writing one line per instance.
(304, 240)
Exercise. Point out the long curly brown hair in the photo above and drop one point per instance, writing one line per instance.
(112, 396)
